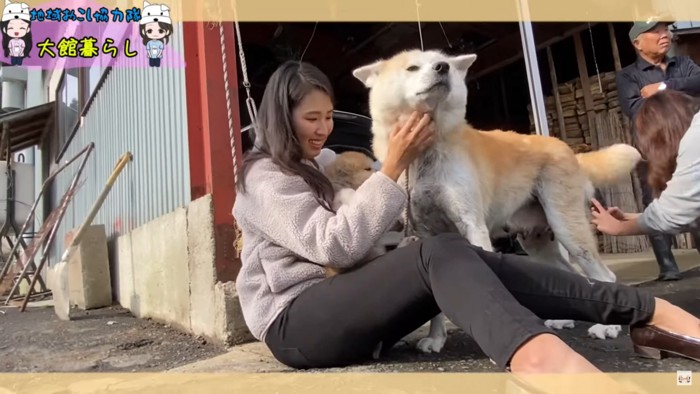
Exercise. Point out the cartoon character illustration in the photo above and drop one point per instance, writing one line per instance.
(16, 32)
(156, 29)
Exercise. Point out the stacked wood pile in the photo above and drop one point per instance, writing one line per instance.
(576, 128)
(610, 126)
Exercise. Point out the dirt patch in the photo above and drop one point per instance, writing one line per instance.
(103, 340)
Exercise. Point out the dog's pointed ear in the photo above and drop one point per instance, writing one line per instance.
(463, 62)
(368, 74)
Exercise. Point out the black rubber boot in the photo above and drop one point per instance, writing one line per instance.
(668, 269)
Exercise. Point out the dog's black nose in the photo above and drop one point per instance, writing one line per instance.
(441, 67)
(16, 16)
(155, 19)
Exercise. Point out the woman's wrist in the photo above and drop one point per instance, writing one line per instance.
(628, 227)
(632, 216)
(392, 171)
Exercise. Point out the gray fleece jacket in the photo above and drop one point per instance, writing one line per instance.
(288, 237)
(678, 207)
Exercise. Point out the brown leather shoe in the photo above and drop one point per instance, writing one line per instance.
(653, 342)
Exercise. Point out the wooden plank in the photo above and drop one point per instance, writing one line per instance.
(557, 101)
(615, 50)
(504, 97)
(508, 50)
(585, 85)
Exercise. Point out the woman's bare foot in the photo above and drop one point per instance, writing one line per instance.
(546, 353)
(547, 364)
(671, 318)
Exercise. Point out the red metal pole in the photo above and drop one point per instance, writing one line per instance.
(211, 164)
(197, 119)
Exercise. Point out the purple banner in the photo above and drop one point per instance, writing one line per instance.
(84, 33)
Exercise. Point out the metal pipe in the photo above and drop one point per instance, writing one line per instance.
(98, 203)
(61, 275)
(7, 265)
(56, 224)
(532, 67)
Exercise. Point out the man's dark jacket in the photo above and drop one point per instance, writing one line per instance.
(681, 74)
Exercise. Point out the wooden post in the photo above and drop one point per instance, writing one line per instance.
(555, 91)
(504, 97)
(615, 50)
(586, 88)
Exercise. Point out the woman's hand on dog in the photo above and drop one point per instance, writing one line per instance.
(608, 220)
(406, 142)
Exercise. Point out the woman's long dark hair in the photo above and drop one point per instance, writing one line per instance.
(6, 39)
(275, 135)
(661, 123)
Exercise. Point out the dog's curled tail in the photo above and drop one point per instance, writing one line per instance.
(609, 165)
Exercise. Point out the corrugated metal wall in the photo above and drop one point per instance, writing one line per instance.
(141, 110)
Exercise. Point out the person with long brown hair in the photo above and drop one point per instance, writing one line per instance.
(290, 233)
(668, 129)
(656, 69)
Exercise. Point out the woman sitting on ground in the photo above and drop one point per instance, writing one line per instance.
(668, 125)
(290, 232)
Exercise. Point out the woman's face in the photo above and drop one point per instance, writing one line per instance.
(17, 28)
(154, 31)
(313, 122)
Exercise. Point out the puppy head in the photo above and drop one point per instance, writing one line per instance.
(350, 169)
(426, 81)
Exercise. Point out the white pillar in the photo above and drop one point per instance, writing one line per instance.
(539, 110)
(12, 94)
(24, 156)
(14, 97)
(36, 96)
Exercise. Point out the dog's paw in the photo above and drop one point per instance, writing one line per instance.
(431, 344)
(601, 331)
(559, 324)
(407, 240)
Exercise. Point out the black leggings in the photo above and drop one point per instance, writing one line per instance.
(499, 300)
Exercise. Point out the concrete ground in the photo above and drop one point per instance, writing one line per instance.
(113, 340)
(461, 354)
(102, 340)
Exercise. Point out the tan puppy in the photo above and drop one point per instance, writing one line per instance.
(347, 173)
(484, 184)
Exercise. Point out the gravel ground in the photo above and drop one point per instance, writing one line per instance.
(111, 340)
(102, 340)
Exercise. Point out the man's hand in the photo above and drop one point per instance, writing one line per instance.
(650, 89)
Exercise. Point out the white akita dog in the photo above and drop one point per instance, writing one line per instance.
(483, 184)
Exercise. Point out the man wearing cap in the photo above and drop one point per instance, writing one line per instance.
(655, 69)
